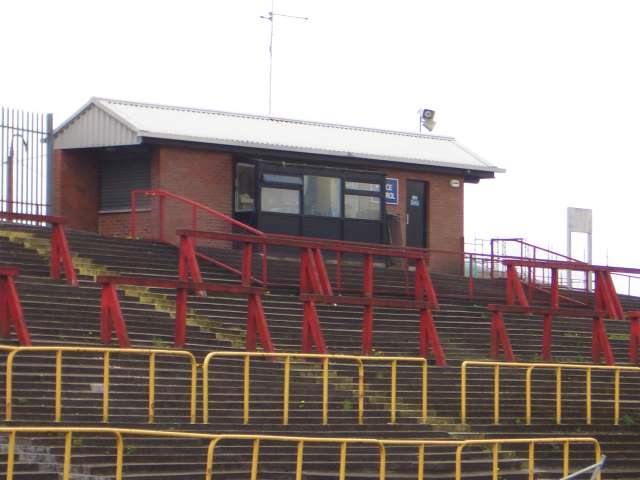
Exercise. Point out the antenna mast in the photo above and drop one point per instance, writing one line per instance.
(270, 17)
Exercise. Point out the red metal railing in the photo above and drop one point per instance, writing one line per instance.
(60, 253)
(603, 303)
(111, 318)
(316, 286)
(162, 196)
(10, 307)
(196, 207)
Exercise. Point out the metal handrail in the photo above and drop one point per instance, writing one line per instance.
(106, 352)
(325, 358)
(595, 470)
(300, 441)
(162, 194)
(558, 367)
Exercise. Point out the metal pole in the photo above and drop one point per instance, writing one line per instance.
(50, 207)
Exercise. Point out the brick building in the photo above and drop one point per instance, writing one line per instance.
(278, 175)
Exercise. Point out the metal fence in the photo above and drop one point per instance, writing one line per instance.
(26, 160)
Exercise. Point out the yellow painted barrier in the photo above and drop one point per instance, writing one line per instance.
(325, 359)
(107, 354)
(258, 440)
(530, 367)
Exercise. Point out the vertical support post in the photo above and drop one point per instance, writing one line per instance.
(311, 331)
(367, 314)
(247, 256)
(634, 336)
(246, 390)
(325, 391)
(152, 387)
(188, 267)
(500, 337)
(58, 388)
(555, 289)
(600, 345)
(105, 386)
(11, 311)
(429, 338)
(285, 390)
(257, 326)
(111, 316)
(51, 206)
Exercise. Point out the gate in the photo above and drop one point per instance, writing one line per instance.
(26, 161)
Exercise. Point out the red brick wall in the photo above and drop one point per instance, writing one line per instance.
(445, 214)
(76, 188)
(200, 175)
(117, 224)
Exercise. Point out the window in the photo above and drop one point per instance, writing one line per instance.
(322, 196)
(245, 187)
(275, 178)
(362, 186)
(362, 207)
(280, 200)
(118, 177)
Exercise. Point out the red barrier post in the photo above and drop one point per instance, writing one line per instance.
(111, 316)
(11, 308)
(634, 335)
(499, 336)
(60, 254)
(600, 346)
(257, 325)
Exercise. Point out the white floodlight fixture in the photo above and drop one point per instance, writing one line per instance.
(426, 119)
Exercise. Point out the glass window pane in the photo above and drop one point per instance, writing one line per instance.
(245, 187)
(321, 196)
(361, 206)
(365, 187)
(280, 200)
(275, 178)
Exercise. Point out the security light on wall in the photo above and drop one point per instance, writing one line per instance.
(426, 119)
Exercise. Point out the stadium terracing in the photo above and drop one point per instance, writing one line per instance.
(240, 354)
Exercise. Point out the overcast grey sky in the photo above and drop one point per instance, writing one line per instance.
(546, 89)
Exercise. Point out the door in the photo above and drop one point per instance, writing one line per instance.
(416, 214)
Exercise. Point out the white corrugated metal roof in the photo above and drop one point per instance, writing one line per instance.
(104, 122)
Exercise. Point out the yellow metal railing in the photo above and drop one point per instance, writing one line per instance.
(530, 367)
(106, 354)
(300, 442)
(325, 359)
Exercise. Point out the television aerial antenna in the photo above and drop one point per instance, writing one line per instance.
(271, 17)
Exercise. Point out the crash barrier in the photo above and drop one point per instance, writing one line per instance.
(10, 307)
(107, 354)
(258, 441)
(558, 368)
(359, 362)
(60, 253)
(316, 287)
(112, 319)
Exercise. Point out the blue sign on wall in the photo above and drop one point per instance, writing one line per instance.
(391, 191)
